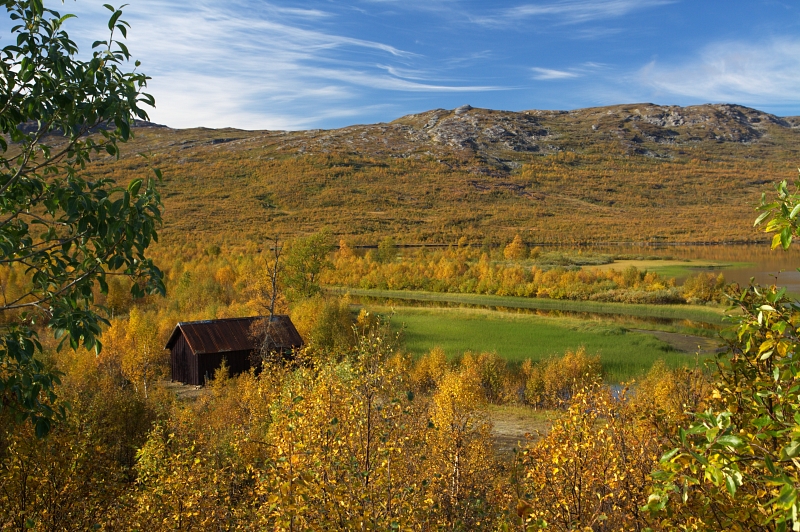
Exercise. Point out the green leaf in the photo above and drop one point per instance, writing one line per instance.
(770, 465)
(792, 450)
(786, 237)
(134, 187)
(730, 484)
(786, 498)
(761, 218)
(42, 427)
(729, 440)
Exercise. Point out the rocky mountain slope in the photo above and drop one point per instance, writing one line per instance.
(637, 172)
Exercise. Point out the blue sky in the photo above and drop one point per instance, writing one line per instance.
(321, 64)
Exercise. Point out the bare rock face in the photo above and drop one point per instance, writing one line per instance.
(677, 125)
(480, 129)
(490, 142)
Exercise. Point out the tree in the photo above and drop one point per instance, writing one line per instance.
(387, 250)
(143, 356)
(516, 249)
(306, 258)
(737, 465)
(265, 286)
(64, 231)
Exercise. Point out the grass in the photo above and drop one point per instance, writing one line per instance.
(673, 268)
(515, 337)
(711, 315)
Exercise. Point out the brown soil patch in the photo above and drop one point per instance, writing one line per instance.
(512, 425)
(184, 392)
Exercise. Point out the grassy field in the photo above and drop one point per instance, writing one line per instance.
(515, 337)
(711, 315)
(672, 268)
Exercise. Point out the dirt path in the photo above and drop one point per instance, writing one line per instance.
(185, 392)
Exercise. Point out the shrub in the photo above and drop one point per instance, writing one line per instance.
(553, 382)
(491, 371)
(429, 370)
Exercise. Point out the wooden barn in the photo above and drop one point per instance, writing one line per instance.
(198, 347)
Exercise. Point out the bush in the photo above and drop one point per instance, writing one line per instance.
(492, 373)
(704, 288)
(552, 383)
(429, 370)
(325, 324)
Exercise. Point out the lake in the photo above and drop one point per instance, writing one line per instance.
(738, 262)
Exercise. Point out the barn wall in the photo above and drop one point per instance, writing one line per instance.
(189, 368)
(183, 362)
(207, 363)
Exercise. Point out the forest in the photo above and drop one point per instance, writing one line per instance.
(356, 434)
(352, 432)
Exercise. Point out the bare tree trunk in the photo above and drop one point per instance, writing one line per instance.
(273, 268)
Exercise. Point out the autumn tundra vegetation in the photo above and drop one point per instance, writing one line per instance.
(351, 433)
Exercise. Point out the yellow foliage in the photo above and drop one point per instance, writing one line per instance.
(461, 443)
(429, 369)
(553, 382)
(143, 355)
(225, 276)
(591, 471)
(491, 372)
(325, 323)
(516, 249)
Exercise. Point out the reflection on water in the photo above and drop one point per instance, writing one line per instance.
(589, 316)
(767, 266)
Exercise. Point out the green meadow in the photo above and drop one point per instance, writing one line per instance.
(624, 354)
(677, 268)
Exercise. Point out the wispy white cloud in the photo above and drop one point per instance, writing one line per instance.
(568, 12)
(550, 74)
(220, 64)
(752, 73)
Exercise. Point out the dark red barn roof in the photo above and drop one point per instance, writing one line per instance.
(234, 334)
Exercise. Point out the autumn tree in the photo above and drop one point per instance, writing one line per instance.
(461, 446)
(591, 471)
(516, 249)
(68, 231)
(143, 359)
(266, 287)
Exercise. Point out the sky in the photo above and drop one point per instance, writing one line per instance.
(286, 64)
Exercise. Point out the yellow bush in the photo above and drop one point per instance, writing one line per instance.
(591, 471)
(551, 383)
(516, 249)
(429, 369)
(491, 372)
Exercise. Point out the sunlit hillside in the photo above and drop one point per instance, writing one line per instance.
(624, 173)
